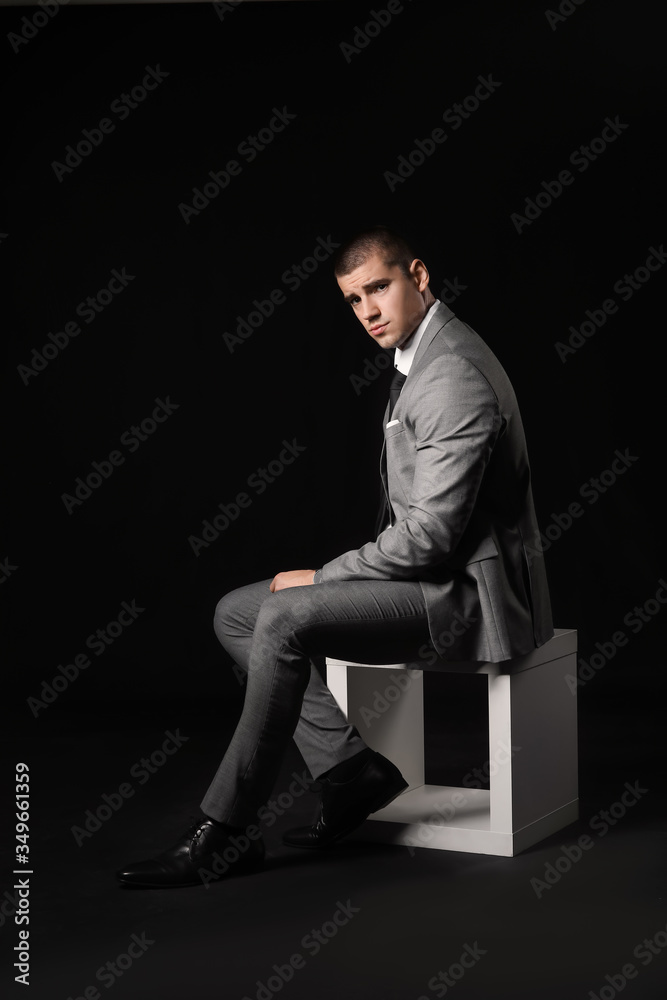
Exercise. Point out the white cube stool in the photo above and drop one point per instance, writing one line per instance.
(532, 750)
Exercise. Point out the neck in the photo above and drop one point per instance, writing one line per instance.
(429, 299)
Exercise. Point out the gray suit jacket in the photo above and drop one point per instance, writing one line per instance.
(458, 483)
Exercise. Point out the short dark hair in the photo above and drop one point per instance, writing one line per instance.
(355, 251)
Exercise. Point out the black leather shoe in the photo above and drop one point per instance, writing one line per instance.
(346, 804)
(204, 853)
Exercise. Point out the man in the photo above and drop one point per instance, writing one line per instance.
(447, 576)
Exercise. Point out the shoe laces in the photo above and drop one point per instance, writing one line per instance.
(195, 829)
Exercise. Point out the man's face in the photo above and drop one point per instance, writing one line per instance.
(388, 305)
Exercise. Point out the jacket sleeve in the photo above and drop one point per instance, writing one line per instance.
(456, 420)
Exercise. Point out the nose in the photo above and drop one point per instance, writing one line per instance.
(369, 310)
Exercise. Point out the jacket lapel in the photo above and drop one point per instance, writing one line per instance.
(440, 317)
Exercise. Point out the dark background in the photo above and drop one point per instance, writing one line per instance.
(291, 380)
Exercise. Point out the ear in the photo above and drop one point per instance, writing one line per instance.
(420, 271)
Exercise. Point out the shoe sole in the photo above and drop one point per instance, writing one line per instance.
(248, 869)
(377, 805)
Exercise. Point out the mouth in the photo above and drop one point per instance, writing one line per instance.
(376, 330)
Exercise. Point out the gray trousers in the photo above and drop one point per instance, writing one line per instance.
(273, 638)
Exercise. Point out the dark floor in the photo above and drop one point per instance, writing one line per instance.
(400, 920)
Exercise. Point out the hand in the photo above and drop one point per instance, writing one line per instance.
(292, 578)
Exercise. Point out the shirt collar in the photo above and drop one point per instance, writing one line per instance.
(403, 358)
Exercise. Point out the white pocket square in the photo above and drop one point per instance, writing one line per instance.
(392, 422)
